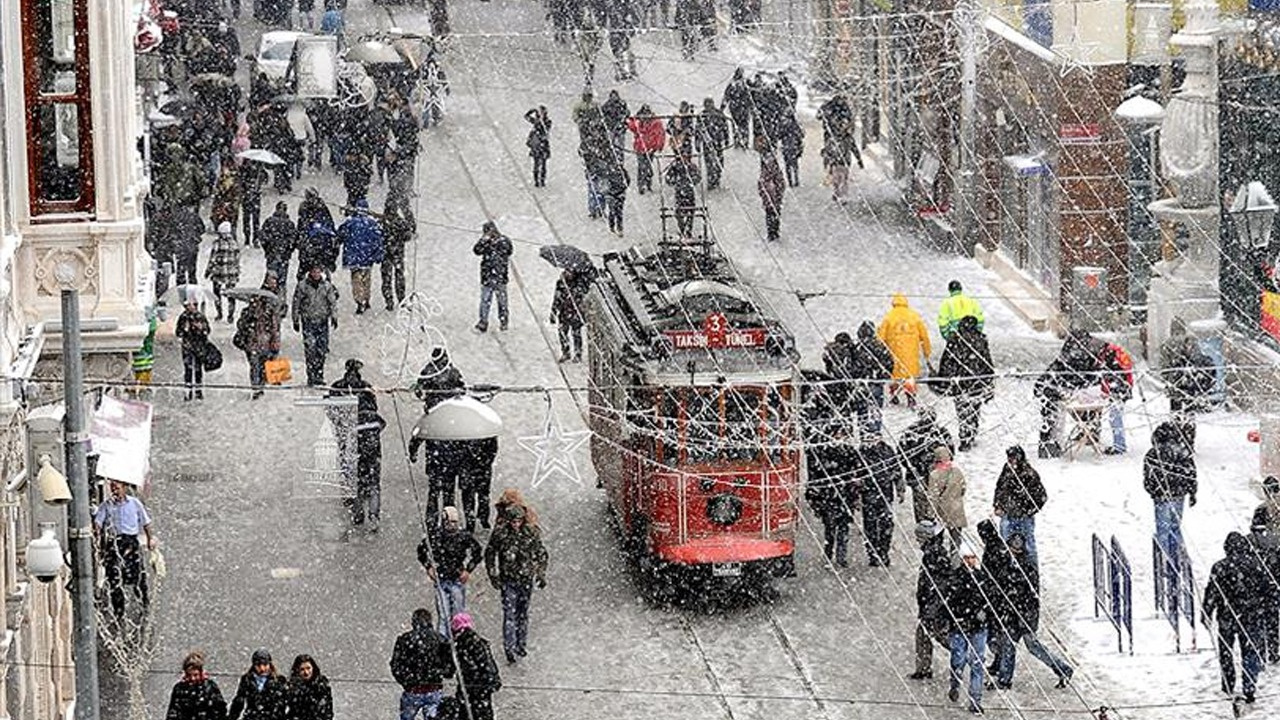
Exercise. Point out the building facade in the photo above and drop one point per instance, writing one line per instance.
(71, 193)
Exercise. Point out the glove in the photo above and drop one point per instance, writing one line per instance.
(542, 583)
(1193, 501)
(334, 321)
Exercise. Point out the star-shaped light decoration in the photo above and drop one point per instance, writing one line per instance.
(554, 450)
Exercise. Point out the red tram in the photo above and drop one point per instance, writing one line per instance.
(692, 385)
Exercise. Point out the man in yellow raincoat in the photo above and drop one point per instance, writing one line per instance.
(904, 331)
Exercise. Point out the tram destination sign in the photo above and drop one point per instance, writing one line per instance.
(715, 334)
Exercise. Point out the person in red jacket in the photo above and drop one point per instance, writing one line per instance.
(649, 139)
(1117, 384)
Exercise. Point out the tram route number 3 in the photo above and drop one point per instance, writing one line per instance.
(716, 333)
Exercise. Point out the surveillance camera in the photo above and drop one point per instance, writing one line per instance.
(44, 555)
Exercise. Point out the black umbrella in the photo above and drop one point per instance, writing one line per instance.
(566, 257)
(180, 109)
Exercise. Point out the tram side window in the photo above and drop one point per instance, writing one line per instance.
(642, 423)
(701, 424)
(742, 421)
(777, 422)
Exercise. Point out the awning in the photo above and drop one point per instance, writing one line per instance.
(120, 436)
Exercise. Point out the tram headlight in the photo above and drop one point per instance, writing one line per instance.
(724, 509)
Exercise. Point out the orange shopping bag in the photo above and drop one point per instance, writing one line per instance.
(279, 371)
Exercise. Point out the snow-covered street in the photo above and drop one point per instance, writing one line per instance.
(258, 555)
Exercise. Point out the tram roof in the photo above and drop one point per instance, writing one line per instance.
(658, 298)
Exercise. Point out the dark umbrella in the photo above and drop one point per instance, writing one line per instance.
(180, 109)
(249, 293)
(566, 257)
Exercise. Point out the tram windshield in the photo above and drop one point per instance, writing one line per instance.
(736, 424)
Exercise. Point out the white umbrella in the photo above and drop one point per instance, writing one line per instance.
(260, 155)
(179, 294)
(459, 418)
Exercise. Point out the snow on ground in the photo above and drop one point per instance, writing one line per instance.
(834, 645)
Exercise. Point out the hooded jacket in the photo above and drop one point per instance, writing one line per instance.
(515, 556)
(966, 362)
(1237, 592)
(904, 331)
(1169, 469)
(1019, 491)
(871, 358)
(495, 259)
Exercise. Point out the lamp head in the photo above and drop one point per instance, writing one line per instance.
(54, 489)
(1254, 213)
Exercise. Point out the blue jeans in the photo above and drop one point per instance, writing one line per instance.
(1169, 527)
(595, 198)
(1116, 412)
(969, 650)
(451, 599)
(515, 616)
(1026, 527)
(1008, 657)
(412, 703)
(315, 345)
(487, 293)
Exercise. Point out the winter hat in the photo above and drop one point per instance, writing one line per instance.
(261, 656)
(1015, 452)
(451, 515)
(954, 286)
(460, 622)
(1271, 486)
(224, 228)
(942, 453)
(489, 226)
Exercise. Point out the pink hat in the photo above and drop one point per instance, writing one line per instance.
(460, 622)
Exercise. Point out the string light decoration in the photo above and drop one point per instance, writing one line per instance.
(410, 334)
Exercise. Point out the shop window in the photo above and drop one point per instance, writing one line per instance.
(55, 52)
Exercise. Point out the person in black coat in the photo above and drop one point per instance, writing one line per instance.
(1169, 477)
(933, 624)
(967, 606)
(438, 380)
(196, 696)
(262, 693)
(792, 144)
(737, 98)
(420, 662)
(478, 675)
(494, 250)
(713, 138)
(1077, 366)
(539, 142)
(450, 554)
(915, 447)
(683, 177)
(187, 227)
(832, 489)
(614, 112)
(871, 363)
(368, 504)
(279, 239)
(309, 695)
(567, 305)
(969, 377)
(880, 481)
(1019, 496)
(398, 228)
(1266, 546)
(1016, 598)
(1235, 598)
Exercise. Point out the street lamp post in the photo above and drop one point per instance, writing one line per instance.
(84, 614)
(1141, 118)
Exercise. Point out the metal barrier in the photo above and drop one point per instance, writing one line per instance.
(1113, 588)
(1175, 594)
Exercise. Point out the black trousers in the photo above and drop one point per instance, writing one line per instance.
(123, 562)
(392, 272)
(192, 371)
(715, 163)
(969, 413)
(772, 221)
(539, 171)
(877, 526)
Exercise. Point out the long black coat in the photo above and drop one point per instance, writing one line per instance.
(310, 699)
(269, 703)
(476, 668)
(196, 701)
(1237, 593)
(880, 476)
(1019, 491)
(832, 489)
(279, 239)
(1169, 468)
(966, 367)
(966, 599)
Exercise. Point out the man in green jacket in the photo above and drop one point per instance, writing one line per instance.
(957, 306)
